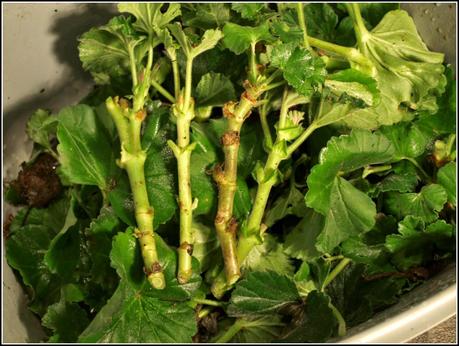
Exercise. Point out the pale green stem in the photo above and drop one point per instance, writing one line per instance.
(162, 91)
(204, 312)
(185, 200)
(359, 25)
(274, 85)
(207, 302)
(188, 83)
(300, 140)
(133, 160)
(349, 53)
(175, 71)
(334, 273)
(253, 63)
(340, 319)
(273, 76)
(375, 169)
(283, 112)
(227, 184)
(132, 64)
(450, 143)
(302, 24)
(230, 333)
(333, 258)
(265, 126)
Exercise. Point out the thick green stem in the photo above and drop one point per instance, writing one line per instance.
(302, 22)
(230, 333)
(134, 165)
(226, 178)
(128, 124)
(183, 155)
(254, 222)
(334, 273)
(183, 110)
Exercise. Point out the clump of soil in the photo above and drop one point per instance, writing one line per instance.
(37, 183)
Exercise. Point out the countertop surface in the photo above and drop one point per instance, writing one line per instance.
(444, 333)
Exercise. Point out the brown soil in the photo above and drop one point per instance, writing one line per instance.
(37, 183)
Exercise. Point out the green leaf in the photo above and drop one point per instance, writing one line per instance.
(86, 156)
(351, 212)
(248, 10)
(374, 256)
(106, 223)
(354, 84)
(238, 38)
(66, 320)
(374, 12)
(262, 293)
(407, 139)
(426, 204)
(444, 121)
(300, 242)
(446, 177)
(72, 293)
(104, 51)
(205, 15)
(205, 156)
(209, 40)
(243, 201)
(132, 316)
(214, 89)
(205, 246)
(41, 127)
(289, 203)
(317, 322)
(358, 299)
(303, 280)
(408, 74)
(347, 210)
(268, 256)
(26, 247)
(288, 32)
(280, 53)
(321, 20)
(136, 312)
(25, 251)
(149, 16)
(304, 72)
(342, 155)
(258, 330)
(126, 259)
(416, 244)
(160, 165)
(62, 255)
(403, 178)
(121, 200)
